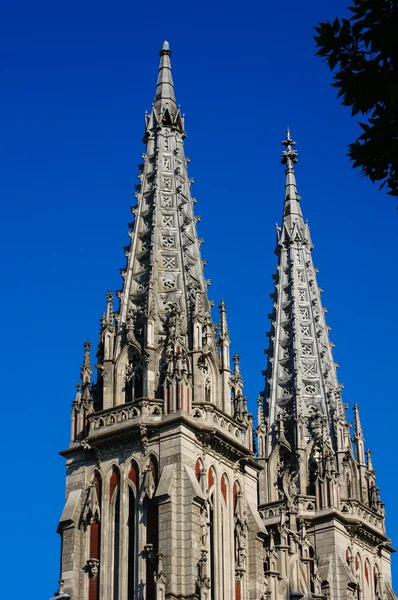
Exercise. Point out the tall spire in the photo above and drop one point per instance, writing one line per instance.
(312, 470)
(162, 339)
(301, 378)
(165, 97)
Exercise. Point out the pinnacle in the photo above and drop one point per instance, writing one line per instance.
(165, 47)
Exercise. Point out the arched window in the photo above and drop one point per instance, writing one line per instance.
(211, 478)
(348, 557)
(198, 468)
(224, 488)
(235, 493)
(312, 477)
(132, 487)
(95, 537)
(133, 387)
(114, 498)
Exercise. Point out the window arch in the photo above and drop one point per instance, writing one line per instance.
(211, 477)
(198, 468)
(133, 379)
(312, 476)
(224, 487)
(236, 491)
(348, 557)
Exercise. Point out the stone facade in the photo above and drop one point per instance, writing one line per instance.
(165, 494)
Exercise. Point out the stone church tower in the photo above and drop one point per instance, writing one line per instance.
(165, 496)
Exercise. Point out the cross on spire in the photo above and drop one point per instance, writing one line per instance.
(289, 156)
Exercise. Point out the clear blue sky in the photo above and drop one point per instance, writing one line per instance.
(76, 80)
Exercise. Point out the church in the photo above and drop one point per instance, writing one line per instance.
(173, 490)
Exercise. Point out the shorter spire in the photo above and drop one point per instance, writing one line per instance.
(358, 434)
(224, 335)
(369, 462)
(359, 440)
(260, 411)
(86, 370)
(236, 380)
(109, 306)
(289, 158)
(165, 97)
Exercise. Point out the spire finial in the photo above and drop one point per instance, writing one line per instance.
(165, 97)
(289, 156)
(165, 48)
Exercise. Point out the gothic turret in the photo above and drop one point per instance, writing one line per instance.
(317, 494)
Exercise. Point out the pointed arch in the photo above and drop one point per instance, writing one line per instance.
(198, 468)
(348, 558)
(207, 367)
(224, 487)
(211, 477)
(236, 490)
(133, 475)
(129, 374)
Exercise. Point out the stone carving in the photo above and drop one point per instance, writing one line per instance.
(148, 484)
(91, 509)
(92, 567)
(240, 532)
(204, 526)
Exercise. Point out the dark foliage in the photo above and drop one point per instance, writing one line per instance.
(363, 53)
